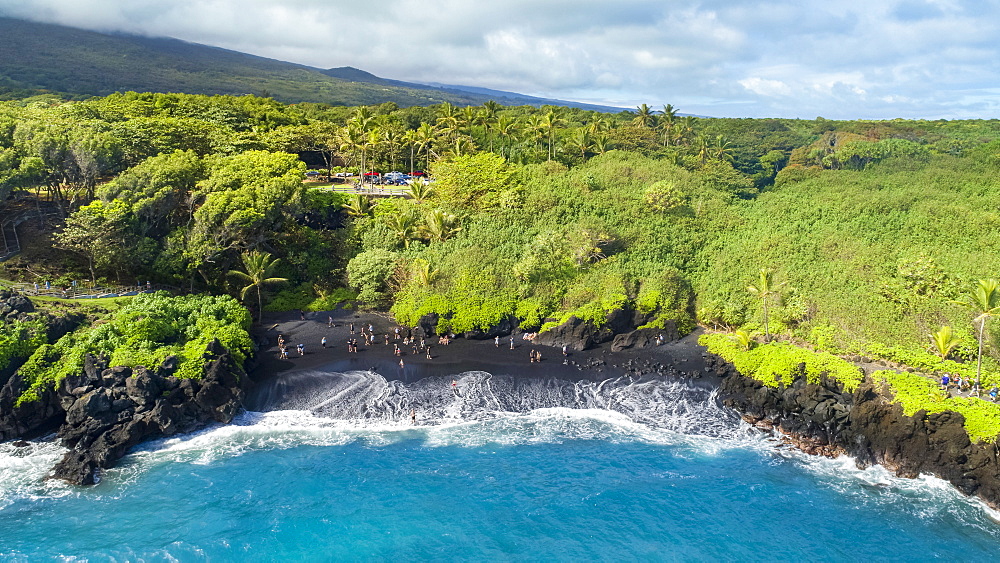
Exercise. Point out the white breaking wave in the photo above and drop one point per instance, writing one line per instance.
(926, 497)
(23, 469)
(367, 397)
(335, 409)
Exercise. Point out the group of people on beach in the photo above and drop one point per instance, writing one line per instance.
(283, 350)
(401, 339)
(367, 333)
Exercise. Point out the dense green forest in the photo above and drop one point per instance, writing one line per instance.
(871, 234)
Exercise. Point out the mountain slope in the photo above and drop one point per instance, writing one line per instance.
(36, 56)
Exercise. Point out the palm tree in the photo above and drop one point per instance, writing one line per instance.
(488, 118)
(449, 126)
(743, 338)
(363, 117)
(550, 121)
(582, 142)
(945, 341)
(721, 149)
(535, 130)
(469, 116)
(507, 127)
(358, 205)
(392, 140)
(422, 272)
(445, 110)
(423, 139)
(602, 144)
(440, 225)
(461, 144)
(259, 269)
(765, 290)
(703, 149)
(598, 125)
(644, 116)
(404, 226)
(667, 122)
(687, 128)
(419, 191)
(985, 301)
(354, 142)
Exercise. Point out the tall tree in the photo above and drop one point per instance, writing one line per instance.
(258, 271)
(423, 140)
(582, 142)
(99, 232)
(766, 291)
(667, 122)
(985, 302)
(550, 122)
(644, 116)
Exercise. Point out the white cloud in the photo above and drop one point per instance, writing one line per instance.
(852, 58)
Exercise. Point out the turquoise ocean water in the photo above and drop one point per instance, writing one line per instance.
(506, 469)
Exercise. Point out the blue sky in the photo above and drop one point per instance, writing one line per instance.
(730, 58)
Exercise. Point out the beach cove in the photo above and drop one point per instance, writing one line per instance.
(520, 466)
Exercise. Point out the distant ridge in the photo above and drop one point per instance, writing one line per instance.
(37, 58)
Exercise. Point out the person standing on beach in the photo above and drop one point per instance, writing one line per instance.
(512, 342)
(322, 342)
(565, 350)
(401, 364)
(352, 328)
(413, 416)
(496, 341)
(329, 321)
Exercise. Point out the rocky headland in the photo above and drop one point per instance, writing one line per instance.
(103, 411)
(822, 419)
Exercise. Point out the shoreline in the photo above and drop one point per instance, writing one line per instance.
(682, 359)
(819, 419)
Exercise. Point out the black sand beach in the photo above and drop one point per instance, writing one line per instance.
(683, 358)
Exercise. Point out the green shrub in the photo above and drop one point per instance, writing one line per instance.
(776, 363)
(915, 393)
(144, 331)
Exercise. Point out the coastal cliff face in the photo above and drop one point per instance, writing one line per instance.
(104, 411)
(824, 419)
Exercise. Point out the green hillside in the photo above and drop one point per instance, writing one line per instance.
(37, 58)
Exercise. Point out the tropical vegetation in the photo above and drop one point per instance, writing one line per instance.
(858, 238)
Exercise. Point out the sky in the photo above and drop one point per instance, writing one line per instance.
(843, 59)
